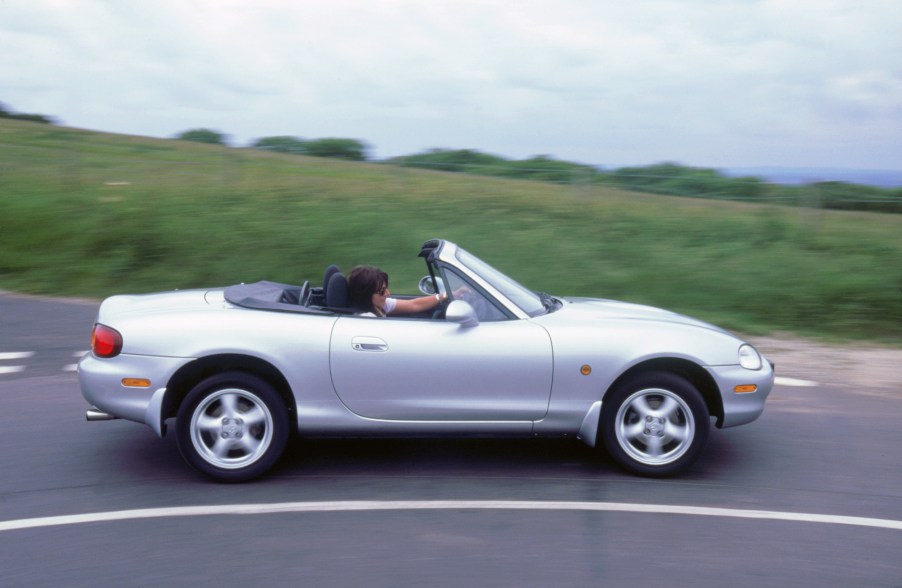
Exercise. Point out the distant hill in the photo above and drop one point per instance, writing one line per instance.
(807, 175)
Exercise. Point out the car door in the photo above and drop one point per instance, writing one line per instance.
(432, 370)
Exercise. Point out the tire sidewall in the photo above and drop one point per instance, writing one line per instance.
(661, 380)
(242, 381)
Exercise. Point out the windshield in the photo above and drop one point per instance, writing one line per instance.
(530, 302)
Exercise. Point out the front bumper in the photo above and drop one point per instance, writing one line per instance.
(101, 385)
(742, 408)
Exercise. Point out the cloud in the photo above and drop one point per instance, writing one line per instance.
(736, 82)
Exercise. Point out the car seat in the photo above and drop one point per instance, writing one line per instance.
(336, 291)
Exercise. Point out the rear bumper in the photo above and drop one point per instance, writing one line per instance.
(101, 385)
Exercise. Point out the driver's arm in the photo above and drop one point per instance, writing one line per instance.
(415, 305)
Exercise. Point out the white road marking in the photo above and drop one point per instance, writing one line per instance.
(13, 355)
(19, 355)
(373, 505)
(73, 367)
(795, 382)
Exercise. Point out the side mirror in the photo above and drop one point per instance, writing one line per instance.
(427, 286)
(460, 311)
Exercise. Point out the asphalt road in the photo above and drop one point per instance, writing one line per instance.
(399, 513)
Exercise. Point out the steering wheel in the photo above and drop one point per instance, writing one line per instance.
(439, 312)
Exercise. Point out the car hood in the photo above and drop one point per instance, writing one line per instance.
(594, 308)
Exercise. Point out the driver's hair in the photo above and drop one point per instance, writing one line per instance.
(363, 282)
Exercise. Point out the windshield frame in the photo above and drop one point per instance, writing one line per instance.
(528, 302)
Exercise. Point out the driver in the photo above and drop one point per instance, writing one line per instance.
(368, 292)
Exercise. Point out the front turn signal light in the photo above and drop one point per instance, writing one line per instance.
(745, 389)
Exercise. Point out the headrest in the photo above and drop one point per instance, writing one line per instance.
(337, 291)
(331, 270)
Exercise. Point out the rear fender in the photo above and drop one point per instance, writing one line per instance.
(193, 373)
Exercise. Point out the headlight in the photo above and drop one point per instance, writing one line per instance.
(749, 358)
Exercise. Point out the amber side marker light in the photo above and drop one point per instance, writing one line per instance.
(136, 382)
(745, 389)
(585, 370)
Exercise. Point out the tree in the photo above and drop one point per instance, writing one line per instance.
(38, 118)
(203, 136)
(460, 160)
(6, 112)
(350, 149)
(282, 144)
(547, 169)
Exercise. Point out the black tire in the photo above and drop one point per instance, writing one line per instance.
(655, 424)
(232, 427)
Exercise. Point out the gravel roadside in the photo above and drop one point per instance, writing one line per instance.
(854, 367)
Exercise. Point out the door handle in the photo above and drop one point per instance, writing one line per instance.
(369, 344)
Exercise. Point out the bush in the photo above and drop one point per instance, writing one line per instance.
(843, 196)
(202, 136)
(38, 118)
(541, 167)
(5, 112)
(460, 160)
(544, 168)
(282, 144)
(350, 149)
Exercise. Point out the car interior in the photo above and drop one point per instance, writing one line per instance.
(332, 296)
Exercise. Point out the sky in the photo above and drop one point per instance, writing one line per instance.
(709, 83)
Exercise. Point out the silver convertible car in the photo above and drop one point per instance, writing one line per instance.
(242, 368)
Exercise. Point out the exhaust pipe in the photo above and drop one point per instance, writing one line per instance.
(95, 414)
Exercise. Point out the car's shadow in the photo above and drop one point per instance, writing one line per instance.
(148, 457)
(441, 456)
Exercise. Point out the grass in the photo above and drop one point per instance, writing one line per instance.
(93, 214)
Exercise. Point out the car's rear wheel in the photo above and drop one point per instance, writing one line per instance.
(232, 427)
(655, 424)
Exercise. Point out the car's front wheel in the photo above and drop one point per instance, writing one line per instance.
(655, 424)
(232, 427)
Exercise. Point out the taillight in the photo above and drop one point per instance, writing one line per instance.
(105, 342)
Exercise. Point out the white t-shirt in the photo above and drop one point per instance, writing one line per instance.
(390, 304)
